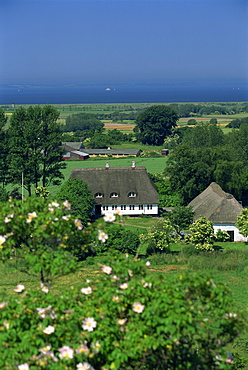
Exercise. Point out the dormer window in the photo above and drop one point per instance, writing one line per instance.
(114, 195)
(98, 195)
(132, 194)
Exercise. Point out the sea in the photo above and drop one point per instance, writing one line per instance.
(96, 93)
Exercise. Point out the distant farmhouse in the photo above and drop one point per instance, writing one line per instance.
(126, 189)
(73, 151)
(76, 150)
(219, 207)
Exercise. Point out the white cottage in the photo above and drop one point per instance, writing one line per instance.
(126, 189)
(219, 207)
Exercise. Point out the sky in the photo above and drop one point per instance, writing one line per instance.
(73, 41)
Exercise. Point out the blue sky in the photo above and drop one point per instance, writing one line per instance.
(73, 41)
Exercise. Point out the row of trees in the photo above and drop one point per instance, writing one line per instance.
(30, 148)
(207, 155)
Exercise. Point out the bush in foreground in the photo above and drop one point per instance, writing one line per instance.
(122, 320)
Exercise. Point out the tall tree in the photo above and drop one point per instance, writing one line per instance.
(34, 143)
(3, 150)
(155, 123)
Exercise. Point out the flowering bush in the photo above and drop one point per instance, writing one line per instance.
(36, 234)
(201, 234)
(159, 237)
(124, 319)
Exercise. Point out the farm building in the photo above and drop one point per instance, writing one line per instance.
(113, 152)
(219, 207)
(72, 151)
(125, 189)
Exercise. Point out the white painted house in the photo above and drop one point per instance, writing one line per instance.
(219, 207)
(125, 189)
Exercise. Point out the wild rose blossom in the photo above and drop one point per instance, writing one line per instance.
(83, 349)
(19, 288)
(66, 352)
(2, 240)
(23, 367)
(107, 270)
(49, 330)
(89, 324)
(95, 346)
(122, 321)
(138, 307)
(124, 286)
(44, 288)
(102, 236)
(87, 290)
(109, 217)
(148, 263)
(30, 217)
(78, 224)
(8, 218)
(84, 366)
(3, 304)
(67, 205)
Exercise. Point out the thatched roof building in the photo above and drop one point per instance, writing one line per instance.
(127, 187)
(219, 207)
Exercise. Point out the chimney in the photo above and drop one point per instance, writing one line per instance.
(107, 165)
(133, 164)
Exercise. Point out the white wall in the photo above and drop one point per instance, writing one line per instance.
(131, 212)
(230, 227)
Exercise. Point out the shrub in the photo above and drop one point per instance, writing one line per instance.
(122, 320)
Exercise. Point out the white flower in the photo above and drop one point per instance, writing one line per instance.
(6, 324)
(83, 349)
(89, 324)
(95, 347)
(78, 223)
(86, 290)
(49, 330)
(84, 366)
(118, 212)
(124, 286)
(3, 304)
(109, 217)
(107, 269)
(102, 236)
(23, 367)
(8, 218)
(2, 240)
(138, 307)
(122, 321)
(148, 263)
(66, 217)
(19, 288)
(31, 215)
(44, 288)
(67, 205)
(115, 298)
(66, 352)
(46, 349)
(55, 204)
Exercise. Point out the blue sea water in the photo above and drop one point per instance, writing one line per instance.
(92, 94)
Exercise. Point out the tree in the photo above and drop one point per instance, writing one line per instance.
(201, 234)
(34, 145)
(79, 196)
(159, 237)
(154, 124)
(4, 167)
(83, 122)
(242, 222)
(181, 217)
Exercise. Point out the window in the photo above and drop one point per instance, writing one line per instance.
(149, 206)
(131, 208)
(123, 208)
(132, 194)
(140, 206)
(98, 195)
(113, 195)
(105, 208)
(114, 207)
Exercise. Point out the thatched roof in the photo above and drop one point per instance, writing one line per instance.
(120, 180)
(72, 145)
(216, 205)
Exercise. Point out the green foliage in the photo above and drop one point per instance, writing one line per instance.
(34, 147)
(222, 236)
(154, 124)
(181, 217)
(201, 234)
(119, 239)
(159, 237)
(124, 319)
(192, 121)
(42, 192)
(242, 222)
(237, 122)
(80, 198)
(167, 197)
(35, 234)
(83, 122)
